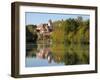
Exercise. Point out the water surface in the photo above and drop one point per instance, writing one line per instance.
(47, 54)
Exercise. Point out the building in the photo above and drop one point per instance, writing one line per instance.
(44, 30)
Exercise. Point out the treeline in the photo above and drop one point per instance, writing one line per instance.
(31, 35)
(72, 30)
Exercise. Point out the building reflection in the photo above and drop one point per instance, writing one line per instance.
(44, 52)
(59, 53)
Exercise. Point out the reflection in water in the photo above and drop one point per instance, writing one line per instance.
(46, 54)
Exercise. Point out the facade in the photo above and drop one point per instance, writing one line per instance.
(44, 30)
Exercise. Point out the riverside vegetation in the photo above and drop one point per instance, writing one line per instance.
(68, 42)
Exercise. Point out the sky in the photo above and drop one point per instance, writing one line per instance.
(38, 18)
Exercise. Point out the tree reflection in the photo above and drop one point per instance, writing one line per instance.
(61, 53)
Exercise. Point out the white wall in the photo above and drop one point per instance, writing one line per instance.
(5, 40)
